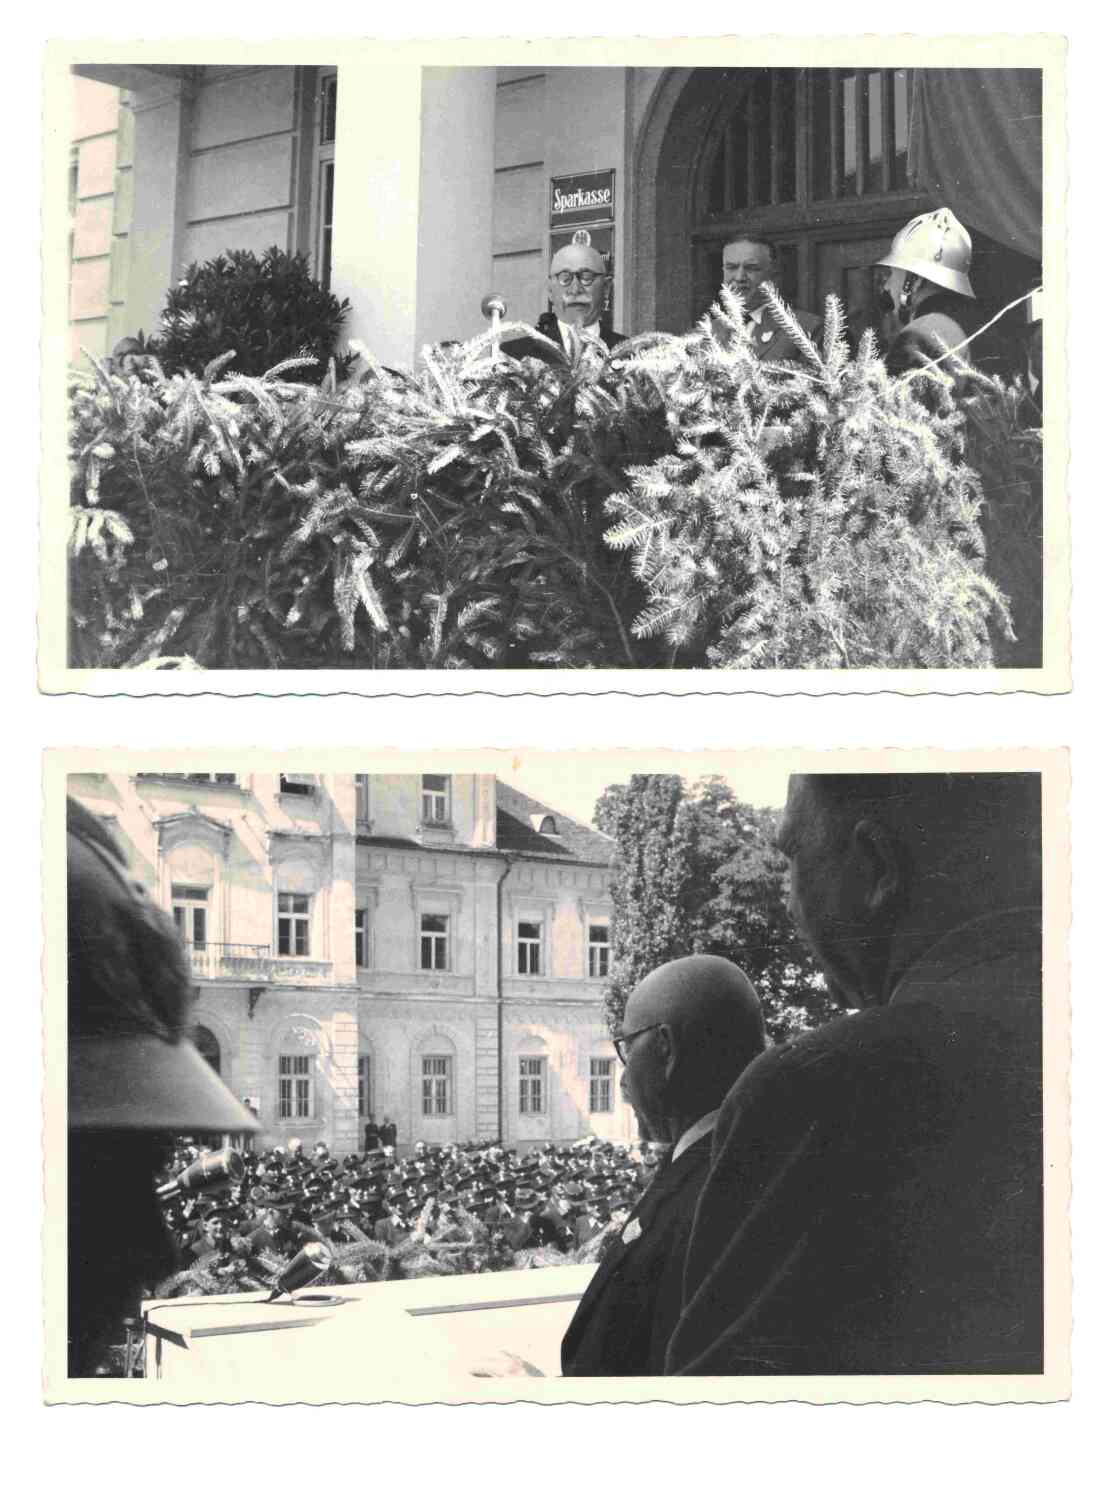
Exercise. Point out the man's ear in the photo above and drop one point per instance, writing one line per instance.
(667, 1036)
(876, 848)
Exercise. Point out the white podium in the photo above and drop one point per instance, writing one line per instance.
(414, 1341)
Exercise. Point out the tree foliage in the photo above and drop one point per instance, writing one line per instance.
(696, 872)
(262, 309)
(676, 503)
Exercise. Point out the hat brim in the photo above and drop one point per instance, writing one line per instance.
(144, 1083)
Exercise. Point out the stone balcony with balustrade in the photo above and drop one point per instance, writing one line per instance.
(255, 965)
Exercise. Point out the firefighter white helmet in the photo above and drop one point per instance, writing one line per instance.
(936, 246)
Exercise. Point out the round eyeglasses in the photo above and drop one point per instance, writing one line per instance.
(586, 277)
(624, 1038)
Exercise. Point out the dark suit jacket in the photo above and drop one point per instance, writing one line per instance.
(874, 1202)
(625, 1319)
(547, 324)
(772, 345)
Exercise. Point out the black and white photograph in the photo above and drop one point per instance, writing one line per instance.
(728, 373)
(561, 1077)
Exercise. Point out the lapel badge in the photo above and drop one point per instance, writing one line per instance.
(766, 337)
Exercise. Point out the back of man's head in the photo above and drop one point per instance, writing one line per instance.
(715, 1013)
(982, 832)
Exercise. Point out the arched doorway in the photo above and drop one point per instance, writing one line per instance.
(813, 159)
(209, 1047)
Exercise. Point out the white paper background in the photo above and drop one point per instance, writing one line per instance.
(615, 1448)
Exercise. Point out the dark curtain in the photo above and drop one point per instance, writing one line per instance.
(976, 144)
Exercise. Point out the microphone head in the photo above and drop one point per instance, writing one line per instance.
(209, 1171)
(311, 1262)
(493, 302)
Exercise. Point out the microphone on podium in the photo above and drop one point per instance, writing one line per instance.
(209, 1171)
(494, 307)
(312, 1261)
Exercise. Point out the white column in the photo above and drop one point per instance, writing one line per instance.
(413, 215)
(162, 147)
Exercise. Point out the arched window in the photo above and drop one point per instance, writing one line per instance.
(209, 1047)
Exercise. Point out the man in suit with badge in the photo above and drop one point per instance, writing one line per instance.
(578, 298)
(689, 1030)
(747, 265)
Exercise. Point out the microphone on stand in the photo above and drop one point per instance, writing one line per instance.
(494, 307)
(312, 1261)
(209, 1171)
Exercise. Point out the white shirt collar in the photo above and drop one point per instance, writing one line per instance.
(590, 330)
(757, 314)
(697, 1129)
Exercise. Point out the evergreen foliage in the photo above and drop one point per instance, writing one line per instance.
(262, 309)
(696, 872)
(677, 503)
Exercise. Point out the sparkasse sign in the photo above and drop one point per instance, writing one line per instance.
(587, 198)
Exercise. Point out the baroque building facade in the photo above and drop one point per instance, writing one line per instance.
(428, 949)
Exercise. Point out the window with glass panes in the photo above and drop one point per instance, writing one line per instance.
(433, 942)
(365, 1106)
(295, 1086)
(532, 1076)
(435, 799)
(189, 905)
(362, 948)
(436, 1084)
(600, 1076)
(293, 924)
(326, 175)
(529, 948)
(362, 799)
(599, 950)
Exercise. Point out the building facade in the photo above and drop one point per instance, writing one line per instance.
(415, 190)
(429, 949)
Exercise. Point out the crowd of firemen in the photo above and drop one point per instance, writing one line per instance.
(238, 1214)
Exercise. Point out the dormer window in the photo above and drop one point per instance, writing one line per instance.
(545, 825)
(298, 783)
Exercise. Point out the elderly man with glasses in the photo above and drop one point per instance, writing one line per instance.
(689, 1030)
(578, 284)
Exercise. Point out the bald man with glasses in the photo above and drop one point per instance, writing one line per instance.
(690, 1029)
(578, 285)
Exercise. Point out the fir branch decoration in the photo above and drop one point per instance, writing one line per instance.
(677, 503)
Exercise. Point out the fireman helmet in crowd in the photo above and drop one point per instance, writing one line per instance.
(935, 246)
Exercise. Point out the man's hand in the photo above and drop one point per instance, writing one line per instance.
(504, 1363)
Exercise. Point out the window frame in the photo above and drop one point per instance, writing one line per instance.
(526, 945)
(295, 918)
(598, 948)
(362, 938)
(298, 1078)
(435, 936)
(532, 1084)
(430, 820)
(436, 1082)
(185, 903)
(600, 1079)
(324, 162)
(365, 1079)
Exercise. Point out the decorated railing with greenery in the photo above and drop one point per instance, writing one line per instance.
(676, 503)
